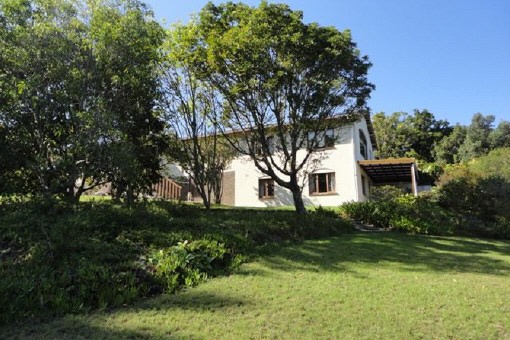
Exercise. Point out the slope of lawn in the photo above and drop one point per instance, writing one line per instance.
(372, 285)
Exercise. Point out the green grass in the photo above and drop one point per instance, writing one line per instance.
(381, 285)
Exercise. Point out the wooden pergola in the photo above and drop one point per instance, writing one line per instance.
(392, 170)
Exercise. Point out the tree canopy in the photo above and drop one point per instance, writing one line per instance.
(280, 80)
(79, 88)
(430, 140)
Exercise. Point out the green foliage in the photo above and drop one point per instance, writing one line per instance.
(480, 188)
(382, 285)
(79, 88)
(189, 263)
(274, 69)
(193, 108)
(500, 137)
(404, 135)
(446, 151)
(468, 142)
(429, 140)
(464, 204)
(477, 142)
(385, 192)
(57, 257)
(469, 195)
(495, 163)
(407, 213)
(479, 192)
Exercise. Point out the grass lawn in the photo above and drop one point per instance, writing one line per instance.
(378, 285)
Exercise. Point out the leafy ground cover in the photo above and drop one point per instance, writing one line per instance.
(57, 258)
(378, 285)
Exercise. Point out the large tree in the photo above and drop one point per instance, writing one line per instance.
(193, 106)
(282, 82)
(127, 44)
(409, 135)
(44, 72)
(477, 142)
(78, 89)
(426, 131)
(500, 136)
(446, 151)
(393, 134)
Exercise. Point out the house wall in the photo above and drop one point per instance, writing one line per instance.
(361, 125)
(340, 159)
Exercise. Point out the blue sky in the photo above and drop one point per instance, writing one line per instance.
(450, 57)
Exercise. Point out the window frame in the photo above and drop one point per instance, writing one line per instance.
(265, 186)
(325, 139)
(315, 183)
(363, 144)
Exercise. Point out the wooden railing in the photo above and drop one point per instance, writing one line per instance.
(167, 189)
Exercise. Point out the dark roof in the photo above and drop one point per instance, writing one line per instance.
(388, 170)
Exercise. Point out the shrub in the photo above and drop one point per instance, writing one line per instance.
(189, 263)
(405, 213)
(479, 189)
(377, 213)
(385, 192)
(501, 228)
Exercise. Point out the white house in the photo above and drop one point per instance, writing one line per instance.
(346, 171)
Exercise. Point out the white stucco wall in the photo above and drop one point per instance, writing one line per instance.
(361, 125)
(341, 159)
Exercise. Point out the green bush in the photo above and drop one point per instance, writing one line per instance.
(377, 213)
(385, 192)
(407, 213)
(189, 263)
(479, 189)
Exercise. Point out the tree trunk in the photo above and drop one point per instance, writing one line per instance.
(297, 195)
(205, 198)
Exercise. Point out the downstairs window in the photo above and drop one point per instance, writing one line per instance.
(322, 183)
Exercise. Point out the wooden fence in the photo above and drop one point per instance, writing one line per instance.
(167, 189)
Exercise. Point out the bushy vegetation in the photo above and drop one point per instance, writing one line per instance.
(59, 258)
(472, 199)
(406, 213)
(427, 214)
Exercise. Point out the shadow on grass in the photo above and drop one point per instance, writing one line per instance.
(81, 329)
(413, 252)
(95, 327)
(192, 300)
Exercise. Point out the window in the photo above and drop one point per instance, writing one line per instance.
(324, 139)
(363, 185)
(271, 144)
(257, 148)
(363, 150)
(322, 183)
(266, 188)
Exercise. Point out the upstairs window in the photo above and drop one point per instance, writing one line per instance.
(363, 149)
(325, 139)
(271, 144)
(322, 183)
(266, 188)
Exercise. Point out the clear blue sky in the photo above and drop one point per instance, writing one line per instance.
(451, 57)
